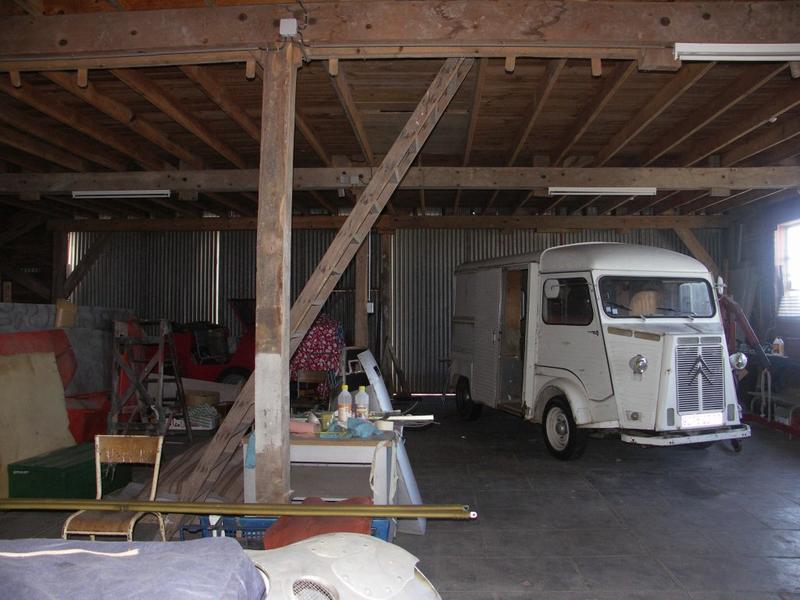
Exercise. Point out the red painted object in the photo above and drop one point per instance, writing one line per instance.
(88, 415)
(288, 530)
(50, 340)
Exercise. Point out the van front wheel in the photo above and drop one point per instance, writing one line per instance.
(468, 409)
(561, 436)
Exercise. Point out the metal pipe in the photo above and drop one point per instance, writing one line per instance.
(400, 511)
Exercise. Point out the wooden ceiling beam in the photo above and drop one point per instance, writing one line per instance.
(354, 25)
(663, 99)
(532, 113)
(70, 117)
(344, 92)
(432, 178)
(222, 98)
(773, 135)
(24, 161)
(301, 122)
(751, 80)
(18, 119)
(121, 113)
(392, 222)
(31, 145)
(171, 106)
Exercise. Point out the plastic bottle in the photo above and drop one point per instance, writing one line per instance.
(777, 346)
(344, 404)
(362, 403)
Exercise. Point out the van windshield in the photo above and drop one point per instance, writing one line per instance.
(625, 297)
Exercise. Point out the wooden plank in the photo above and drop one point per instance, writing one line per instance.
(389, 223)
(344, 92)
(67, 141)
(222, 98)
(751, 80)
(663, 99)
(361, 330)
(375, 196)
(432, 178)
(26, 143)
(171, 106)
(697, 249)
(86, 263)
(273, 250)
(778, 133)
(68, 116)
(121, 113)
(420, 23)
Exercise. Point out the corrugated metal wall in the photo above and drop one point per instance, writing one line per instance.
(175, 275)
(424, 290)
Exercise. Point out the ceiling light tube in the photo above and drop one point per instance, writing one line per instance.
(121, 194)
(737, 52)
(602, 191)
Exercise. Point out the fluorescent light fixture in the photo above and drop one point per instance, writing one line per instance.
(602, 191)
(737, 52)
(121, 194)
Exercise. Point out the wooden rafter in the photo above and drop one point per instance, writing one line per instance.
(532, 113)
(15, 139)
(345, 94)
(308, 134)
(697, 249)
(474, 113)
(777, 133)
(433, 178)
(663, 99)
(86, 125)
(171, 106)
(121, 113)
(589, 113)
(774, 107)
(751, 80)
(18, 225)
(18, 119)
(26, 162)
(222, 98)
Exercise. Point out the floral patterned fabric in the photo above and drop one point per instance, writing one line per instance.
(320, 350)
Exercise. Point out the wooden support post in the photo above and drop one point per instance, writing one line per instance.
(375, 196)
(697, 249)
(86, 264)
(273, 248)
(59, 265)
(361, 334)
(387, 294)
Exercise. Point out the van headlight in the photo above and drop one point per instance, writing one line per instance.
(639, 364)
(738, 360)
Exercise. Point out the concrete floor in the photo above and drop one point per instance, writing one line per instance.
(621, 522)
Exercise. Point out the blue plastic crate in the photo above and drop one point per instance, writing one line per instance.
(250, 530)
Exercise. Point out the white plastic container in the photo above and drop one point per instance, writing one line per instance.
(362, 403)
(344, 405)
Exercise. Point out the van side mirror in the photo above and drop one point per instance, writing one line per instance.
(552, 289)
(720, 286)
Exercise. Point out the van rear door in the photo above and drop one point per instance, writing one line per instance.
(486, 341)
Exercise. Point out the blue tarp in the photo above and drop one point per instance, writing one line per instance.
(213, 568)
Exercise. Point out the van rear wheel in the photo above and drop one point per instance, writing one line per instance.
(561, 435)
(468, 409)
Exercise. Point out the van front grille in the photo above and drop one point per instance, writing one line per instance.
(700, 378)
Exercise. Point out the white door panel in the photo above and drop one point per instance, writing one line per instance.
(487, 299)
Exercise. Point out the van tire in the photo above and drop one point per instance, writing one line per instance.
(468, 409)
(561, 435)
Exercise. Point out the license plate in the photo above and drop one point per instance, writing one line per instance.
(714, 419)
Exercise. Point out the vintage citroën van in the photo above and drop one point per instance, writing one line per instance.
(596, 336)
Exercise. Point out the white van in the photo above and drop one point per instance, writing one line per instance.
(596, 336)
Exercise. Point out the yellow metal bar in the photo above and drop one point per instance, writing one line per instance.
(400, 511)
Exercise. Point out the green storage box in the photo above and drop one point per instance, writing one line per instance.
(64, 473)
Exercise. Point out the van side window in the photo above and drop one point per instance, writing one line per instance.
(572, 305)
